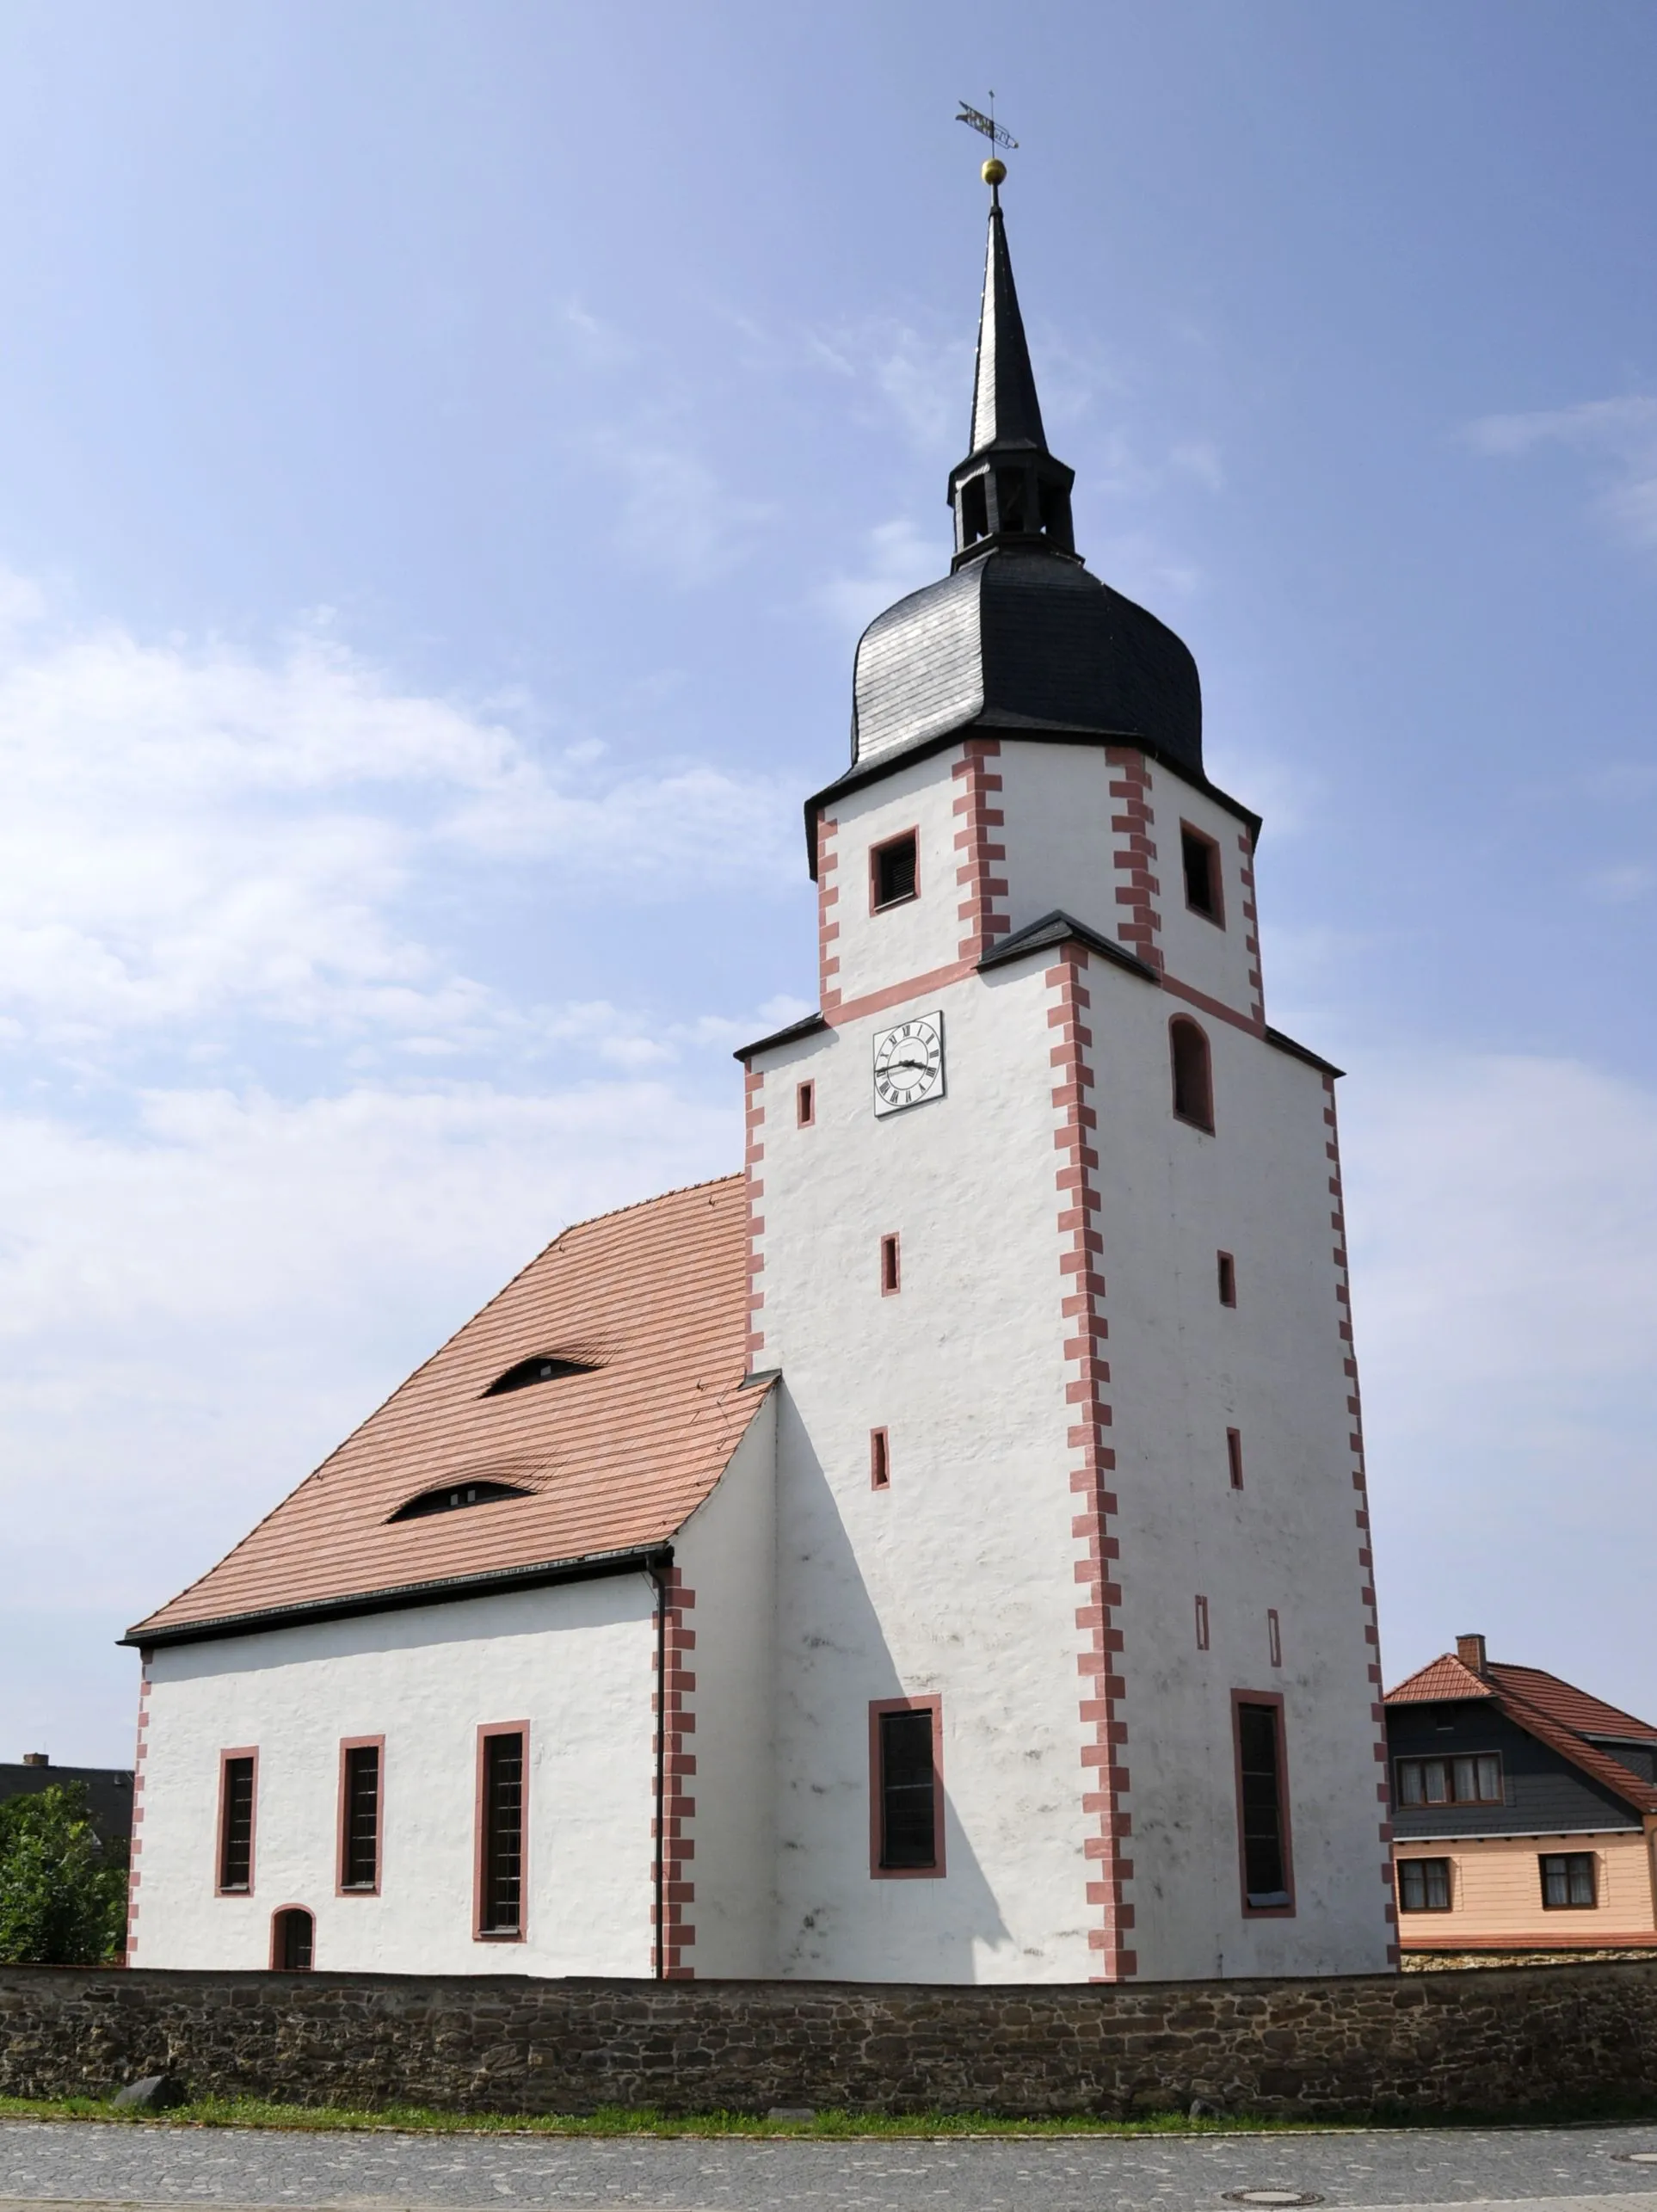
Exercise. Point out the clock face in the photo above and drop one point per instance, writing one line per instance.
(908, 1063)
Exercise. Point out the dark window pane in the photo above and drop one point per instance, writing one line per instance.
(1198, 856)
(362, 1817)
(1438, 1884)
(293, 1941)
(894, 871)
(503, 1833)
(908, 1808)
(1193, 1096)
(1265, 1877)
(1465, 1789)
(236, 1844)
(1490, 1780)
(1435, 1782)
(1409, 1782)
(1568, 1879)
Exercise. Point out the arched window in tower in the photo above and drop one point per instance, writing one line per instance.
(292, 1938)
(1193, 1082)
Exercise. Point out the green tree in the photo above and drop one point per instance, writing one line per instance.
(62, 1889)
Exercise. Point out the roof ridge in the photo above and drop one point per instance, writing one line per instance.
(1620, 1780)
(1546, 1674)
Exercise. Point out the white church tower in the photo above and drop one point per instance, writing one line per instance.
(1077, 1665)
(940, 1554)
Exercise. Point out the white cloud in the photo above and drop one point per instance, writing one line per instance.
(1503, 1216)
(676, 516)
(898, 558)
(1620, 434)
(192, 831)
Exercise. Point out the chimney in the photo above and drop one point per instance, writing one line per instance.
(35, 1758)
(1470, 1650)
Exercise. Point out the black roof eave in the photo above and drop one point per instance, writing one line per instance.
(807, 1025)
(589, 1567)
(1032, 733)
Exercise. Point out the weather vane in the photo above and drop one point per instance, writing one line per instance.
(994, 170)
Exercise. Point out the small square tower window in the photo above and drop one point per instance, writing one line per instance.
(1201, 857)
(894, 872)
(880, 1460)
(1233, 1456)
(1228, 1274)
(890, 1273)
(806, 1103)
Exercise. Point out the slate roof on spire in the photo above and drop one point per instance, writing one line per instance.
(1004, 409)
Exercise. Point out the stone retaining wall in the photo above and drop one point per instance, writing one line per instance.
(1487, 2041)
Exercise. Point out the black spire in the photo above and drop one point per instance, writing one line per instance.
(1009, 490)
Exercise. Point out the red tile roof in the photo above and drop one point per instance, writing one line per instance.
(655, 1297)
(1555, 1712)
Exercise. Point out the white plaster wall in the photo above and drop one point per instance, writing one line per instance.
(956, 1581)
(574, 1660)
(727, 1554)
(875, 950)
(1184, 1368)
(960, 1580)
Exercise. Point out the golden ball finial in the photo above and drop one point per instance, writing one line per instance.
(995, 170)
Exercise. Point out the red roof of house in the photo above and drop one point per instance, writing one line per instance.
(1556, 1713)
(655, 1298)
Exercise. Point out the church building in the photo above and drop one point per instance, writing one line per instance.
(936, 1553)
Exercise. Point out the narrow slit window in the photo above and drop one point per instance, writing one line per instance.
(894, 872)
(1200, 857)
(1202, 1623)
(1567, 1883)
(806, 1103)
(880, 1463)
(1261, 1809)
(292, 1940)
(1273, 1637)
(502, 1843)
(1194, 1085)
(1228, 1277)
(908, 1784)
(236, 1825)
(1233, 1456)
(1424, 1885)
(360, 1817)
(890, 1272)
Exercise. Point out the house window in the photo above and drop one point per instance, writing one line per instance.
(1202, 1623)
(236, 1794)
(501, 1831)
(1262, 1808)
(907, 1787)
(1567, 1881)
(890, 1278)
(1424, 1885)
(880, 1459)
(1233, 1456)
(359, 1771)
(292, 1938)
(1473, 1780)
(1201, 857)
(1194, 1088)
(806, 1099)
(1227, 1269)
(894, 874)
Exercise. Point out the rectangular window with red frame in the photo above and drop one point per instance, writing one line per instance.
(502, 1829)
(1262, 1803)
(238, 1795)
(906, 1787)
(362, 1763)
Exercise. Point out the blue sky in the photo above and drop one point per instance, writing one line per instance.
(447, 454)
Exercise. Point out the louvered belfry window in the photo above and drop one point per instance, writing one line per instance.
(362, 1853)
(503, 1835)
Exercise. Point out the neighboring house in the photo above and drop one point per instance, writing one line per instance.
(108, 1790)
(1524, 1811)
(939, 1555)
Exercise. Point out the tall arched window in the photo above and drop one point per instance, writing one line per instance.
(1193, 1082)
(292, 1935)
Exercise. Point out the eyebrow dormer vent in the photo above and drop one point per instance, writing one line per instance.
(455, 1497)
(545, 1367)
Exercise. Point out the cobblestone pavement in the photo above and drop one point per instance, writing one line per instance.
(70, 2163)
